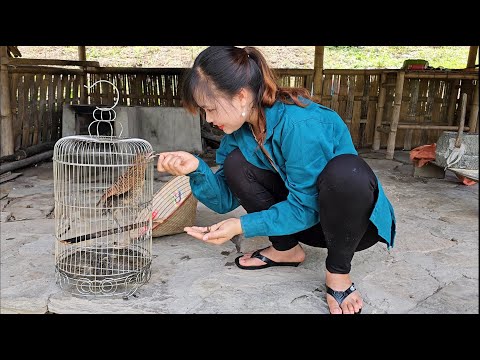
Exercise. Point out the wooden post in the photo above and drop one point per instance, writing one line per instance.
(472, 54)
(82, 53)
(395, 114)
(82, 56)
(473, 119)
(7, 147)
(318, 72)
(379, 116)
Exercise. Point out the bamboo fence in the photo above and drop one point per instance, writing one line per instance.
(367, 100)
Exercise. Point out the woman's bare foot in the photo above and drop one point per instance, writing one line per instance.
(340, 282)
(295, 254)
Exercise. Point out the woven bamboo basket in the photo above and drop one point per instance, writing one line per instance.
(173, 207)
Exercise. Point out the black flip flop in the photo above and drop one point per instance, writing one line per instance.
(265, 259)
(339, 296)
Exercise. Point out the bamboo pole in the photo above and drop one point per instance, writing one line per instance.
(7, 147)
(379, 116)
(473, 119)
(318, 72)
(472, 54)
(395, 114)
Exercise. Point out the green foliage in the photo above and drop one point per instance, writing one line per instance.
(371, 57)
(293, 57)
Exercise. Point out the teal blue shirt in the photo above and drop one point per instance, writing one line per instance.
(300, 142)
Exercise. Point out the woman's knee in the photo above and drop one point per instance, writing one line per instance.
(347, 172)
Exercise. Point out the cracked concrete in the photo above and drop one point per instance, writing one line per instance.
(432, 269)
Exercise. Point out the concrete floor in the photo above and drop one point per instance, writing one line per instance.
(433, 267)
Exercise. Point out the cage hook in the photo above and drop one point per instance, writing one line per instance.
(102, 109)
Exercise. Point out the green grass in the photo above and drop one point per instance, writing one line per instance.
(296, 57)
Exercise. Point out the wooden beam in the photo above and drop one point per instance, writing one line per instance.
(429, 127)
(6, 126)
(13, 50)
(82, 53)
(472, 54)
(395, 114)
(23, 61)
(355, 71)
(442, 75)
(318, 71)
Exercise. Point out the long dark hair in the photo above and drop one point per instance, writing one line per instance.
(227, 69)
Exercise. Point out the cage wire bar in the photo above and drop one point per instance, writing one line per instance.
(103, 189)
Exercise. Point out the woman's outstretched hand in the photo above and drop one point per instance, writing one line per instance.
(217, 233)
(177, 162)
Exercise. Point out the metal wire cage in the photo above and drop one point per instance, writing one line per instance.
(103, 189)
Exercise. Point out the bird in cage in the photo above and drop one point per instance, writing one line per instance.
(128, 186)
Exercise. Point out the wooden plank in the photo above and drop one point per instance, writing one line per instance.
(16, 124)
(379, 113)
(290, 72)
(57, 114)
(443, 75)
(42, 116)
(363, 72)
(75, 89)
(6, 121)
(168, 90)
(418, 137)
(452, 101)
(335, 91)
(395, 115)
(357, 110)
(342, 106)
(439, 87)
(35, 108)
(430, 127)
(371, 109)
(350, 98)
(68, 89)
(24, 100)
(328, 90)
(473, 119)
(47, 135)
(25, 61)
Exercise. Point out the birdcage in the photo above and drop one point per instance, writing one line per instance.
(103, 225)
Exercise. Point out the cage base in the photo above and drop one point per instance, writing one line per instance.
(103, 271)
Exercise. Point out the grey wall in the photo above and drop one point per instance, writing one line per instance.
(166, 128)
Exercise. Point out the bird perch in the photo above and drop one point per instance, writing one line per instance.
(97, 234)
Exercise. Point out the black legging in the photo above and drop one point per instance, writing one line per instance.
(347, 192)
